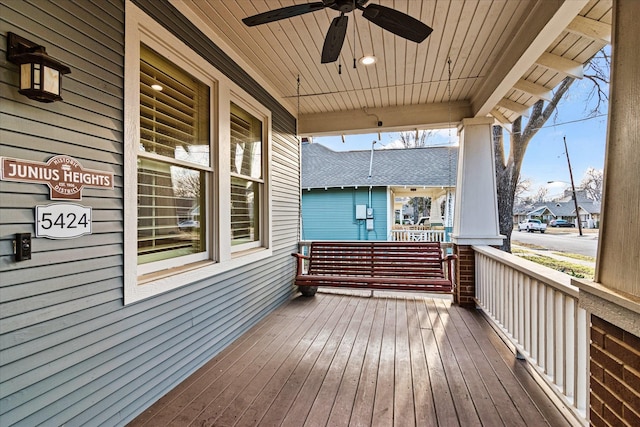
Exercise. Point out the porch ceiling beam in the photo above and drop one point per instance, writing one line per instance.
(516, 107)
(533, 89)
(534, 35)
(432, 192)
(590, 28)
(397, 118)
(561, 65)
(502, 119)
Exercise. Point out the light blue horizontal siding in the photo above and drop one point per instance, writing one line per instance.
(71, 353)
(331, 214)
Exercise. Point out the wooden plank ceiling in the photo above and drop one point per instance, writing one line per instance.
(484, 57)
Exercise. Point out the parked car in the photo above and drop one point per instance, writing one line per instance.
(531, 225)
(561, 223)
(424, 220)
(188, 225)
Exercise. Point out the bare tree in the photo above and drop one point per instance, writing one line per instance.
(597, 72)
(187, 185)
(508, 168)
(523, 186)
(421, 207)
(415, 139)
(541, 195)
(592, 183)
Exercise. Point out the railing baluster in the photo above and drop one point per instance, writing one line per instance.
(581, 357)
(526, 313)
(569, 356)
(542, 340)
(560, 342)
(535, 315)
(550, 334)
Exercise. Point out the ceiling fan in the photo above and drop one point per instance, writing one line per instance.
(397, 22)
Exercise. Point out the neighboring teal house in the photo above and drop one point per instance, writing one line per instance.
(353, 195)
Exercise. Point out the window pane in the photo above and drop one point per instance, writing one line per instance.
(245, 213)
(169, 201)
(174, 111)
(246, 143)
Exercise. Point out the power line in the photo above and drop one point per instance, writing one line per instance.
(567, 123)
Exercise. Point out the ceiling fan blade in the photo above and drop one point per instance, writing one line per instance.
(283, 13)
(397, 22)
(334, 39)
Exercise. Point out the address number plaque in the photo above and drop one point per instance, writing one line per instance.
(62, 220)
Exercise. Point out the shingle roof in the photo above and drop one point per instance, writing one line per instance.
(564, 209)
(428, 166)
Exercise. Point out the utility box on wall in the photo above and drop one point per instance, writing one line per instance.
(369, 219)
(361, 211)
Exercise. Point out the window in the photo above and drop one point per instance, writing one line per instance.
(174, 164)
(246, 177)
(196, 166)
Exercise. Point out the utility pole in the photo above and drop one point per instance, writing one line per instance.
(573, 187)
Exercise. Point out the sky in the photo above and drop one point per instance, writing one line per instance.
(545, 159)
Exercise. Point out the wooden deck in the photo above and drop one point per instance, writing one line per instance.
(338, 360)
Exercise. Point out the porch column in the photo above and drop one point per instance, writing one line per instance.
(435, 216)
(476, 217)
(613, 299)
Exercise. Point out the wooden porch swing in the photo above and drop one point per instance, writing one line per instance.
(407, 266)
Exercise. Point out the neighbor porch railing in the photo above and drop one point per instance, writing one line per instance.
(417, 235)
(536, 308)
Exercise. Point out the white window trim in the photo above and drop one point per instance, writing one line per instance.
(141, 28)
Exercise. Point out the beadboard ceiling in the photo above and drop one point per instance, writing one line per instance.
(484, 57)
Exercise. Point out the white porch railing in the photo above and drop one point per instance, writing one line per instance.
(536, 308)
(398, 235)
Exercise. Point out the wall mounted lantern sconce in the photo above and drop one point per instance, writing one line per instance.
(40, 74)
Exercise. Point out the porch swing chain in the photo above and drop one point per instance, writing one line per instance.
(298, 107)
(354, 35)
(449, 90)
(449, 202)
(300, 228)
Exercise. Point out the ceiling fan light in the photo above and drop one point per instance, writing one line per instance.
(368, 60)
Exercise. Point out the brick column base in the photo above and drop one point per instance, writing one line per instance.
(614, 376)
(465, 291)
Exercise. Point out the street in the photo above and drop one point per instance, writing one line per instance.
(561, 240)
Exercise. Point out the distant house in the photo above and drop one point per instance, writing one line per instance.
(563, 208)
(356, 195)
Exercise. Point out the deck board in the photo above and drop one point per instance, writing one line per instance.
(348, 359)
(425, 411)
(365, 394)
(343, 403)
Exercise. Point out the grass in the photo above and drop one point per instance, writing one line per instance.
(575, 270)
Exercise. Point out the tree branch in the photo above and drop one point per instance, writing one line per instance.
(539, 116)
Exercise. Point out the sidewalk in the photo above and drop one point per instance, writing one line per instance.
(588, 233)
